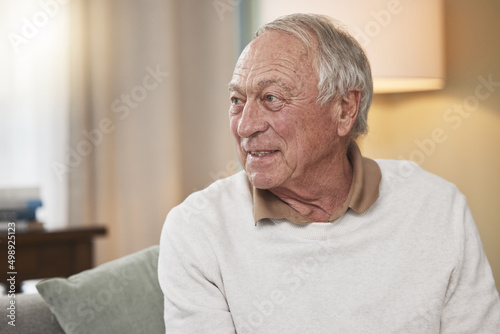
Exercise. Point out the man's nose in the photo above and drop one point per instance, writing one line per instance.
(252, 120)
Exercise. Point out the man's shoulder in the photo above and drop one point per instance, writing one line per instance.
(215, 202)
(408, 176)
(225, 189)
(414, 195)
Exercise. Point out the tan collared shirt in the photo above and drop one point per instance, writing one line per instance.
(362, 195)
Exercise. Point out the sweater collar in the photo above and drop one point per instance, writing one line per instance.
(363, 193)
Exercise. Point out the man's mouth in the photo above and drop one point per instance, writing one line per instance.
(260, 153)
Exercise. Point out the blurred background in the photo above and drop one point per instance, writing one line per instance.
(115, 111)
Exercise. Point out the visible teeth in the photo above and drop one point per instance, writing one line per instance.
(260, 153)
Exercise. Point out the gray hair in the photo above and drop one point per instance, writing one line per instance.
(341, 64)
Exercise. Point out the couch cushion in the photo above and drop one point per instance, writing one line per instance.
(121, 296)
(31, 314)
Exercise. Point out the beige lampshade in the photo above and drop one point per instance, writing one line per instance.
(402, 38)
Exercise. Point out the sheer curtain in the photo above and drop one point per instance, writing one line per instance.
(116, 109)
(148, 113)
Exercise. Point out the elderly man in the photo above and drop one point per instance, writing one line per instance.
(312, 237)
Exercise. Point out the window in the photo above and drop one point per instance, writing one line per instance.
(33, 100)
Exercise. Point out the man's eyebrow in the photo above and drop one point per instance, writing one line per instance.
(233, 87)
(266, 83)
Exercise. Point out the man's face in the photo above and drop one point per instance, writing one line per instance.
(283, 137)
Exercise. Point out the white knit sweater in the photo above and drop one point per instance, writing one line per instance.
(413, 263)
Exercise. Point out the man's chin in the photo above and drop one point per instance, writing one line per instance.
(261, 181)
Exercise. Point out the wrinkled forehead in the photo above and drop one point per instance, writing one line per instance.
(274, 46)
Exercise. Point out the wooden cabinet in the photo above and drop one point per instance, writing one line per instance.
(48, 253)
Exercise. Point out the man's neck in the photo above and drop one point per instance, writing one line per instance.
(322, 193)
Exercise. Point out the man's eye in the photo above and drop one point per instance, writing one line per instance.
(235, 100)
(271, 98)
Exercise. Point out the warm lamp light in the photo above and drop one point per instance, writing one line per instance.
(402, 38)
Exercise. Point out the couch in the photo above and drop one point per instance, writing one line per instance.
(121, 296)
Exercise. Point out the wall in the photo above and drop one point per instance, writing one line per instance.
(454, 132)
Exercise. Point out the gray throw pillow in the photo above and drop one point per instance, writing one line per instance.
(121, 296)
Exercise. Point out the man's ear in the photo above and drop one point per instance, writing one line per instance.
(349, 105)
